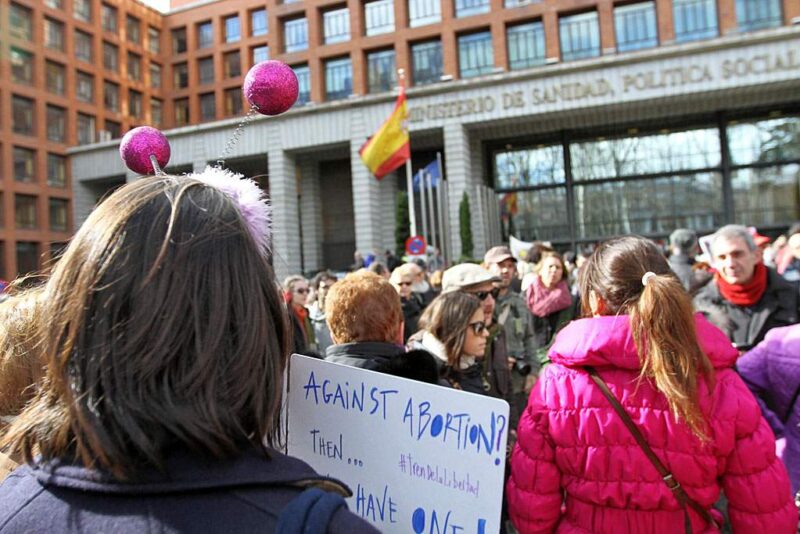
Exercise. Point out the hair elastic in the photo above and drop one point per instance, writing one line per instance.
(647, 276)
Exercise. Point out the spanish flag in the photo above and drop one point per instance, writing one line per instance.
(389, 148)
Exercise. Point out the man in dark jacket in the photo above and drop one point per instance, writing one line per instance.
(745, 298)
(366, 323)
(683, 248)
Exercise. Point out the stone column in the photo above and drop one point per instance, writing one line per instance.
(366, 192)
(283, 195)
(311, 214)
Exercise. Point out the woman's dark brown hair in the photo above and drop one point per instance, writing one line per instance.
(447, 318)
(661, 318)
(162, 328)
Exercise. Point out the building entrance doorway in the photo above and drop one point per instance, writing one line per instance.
(338, 215)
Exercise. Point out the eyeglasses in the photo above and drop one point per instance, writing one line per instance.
(301, 290)
(478, 327)
(483, 294)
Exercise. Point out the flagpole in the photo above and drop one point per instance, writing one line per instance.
(444, 214)
(431, 207)
(423, 206)
(411, 211)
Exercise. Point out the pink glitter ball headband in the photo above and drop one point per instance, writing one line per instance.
(271, 88)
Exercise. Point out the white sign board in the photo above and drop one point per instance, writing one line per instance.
(420, 458)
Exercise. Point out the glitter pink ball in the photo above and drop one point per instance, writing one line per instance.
(271, 86)
(138, 144)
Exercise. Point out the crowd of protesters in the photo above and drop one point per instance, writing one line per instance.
(649, 390)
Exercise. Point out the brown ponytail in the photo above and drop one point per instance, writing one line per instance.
(661, 318)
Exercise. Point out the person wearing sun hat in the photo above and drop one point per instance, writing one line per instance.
(475, 280)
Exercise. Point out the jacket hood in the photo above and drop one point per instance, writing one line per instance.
(184, 472)
(607, 341)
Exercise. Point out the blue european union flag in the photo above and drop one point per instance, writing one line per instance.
(432, 170)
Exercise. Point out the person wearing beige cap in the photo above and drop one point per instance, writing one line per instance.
(474, 279)
(511, 312)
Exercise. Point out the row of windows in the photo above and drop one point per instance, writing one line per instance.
(651, 184)
(231, 31)
(23, 115)
(28, 255)
(635, 24)
(232, 102)
(21, 25)
(25, 167)
(26, 213)
(22, 71)
(231, 67)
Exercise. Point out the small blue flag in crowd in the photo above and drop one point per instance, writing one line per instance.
(432, 170)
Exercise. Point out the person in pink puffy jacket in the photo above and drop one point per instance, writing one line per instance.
(577, 468)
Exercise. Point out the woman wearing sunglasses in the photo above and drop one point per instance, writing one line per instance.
(295, 293)
(454, 331)
(402, 279)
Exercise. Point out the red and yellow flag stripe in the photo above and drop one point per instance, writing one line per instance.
(389, 148)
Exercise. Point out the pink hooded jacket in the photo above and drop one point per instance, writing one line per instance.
(576, 468)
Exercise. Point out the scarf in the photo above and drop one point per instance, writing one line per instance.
(543, 301)
(748, 294)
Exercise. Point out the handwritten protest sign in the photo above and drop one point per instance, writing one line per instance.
(420, 458)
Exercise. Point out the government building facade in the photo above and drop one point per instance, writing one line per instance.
(567, 121)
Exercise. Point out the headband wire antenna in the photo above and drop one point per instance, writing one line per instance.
(156, 166)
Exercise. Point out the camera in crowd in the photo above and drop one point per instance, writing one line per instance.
(521, 365)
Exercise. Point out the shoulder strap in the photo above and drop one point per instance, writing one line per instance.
(680, 494)
(309, 513)
(504, 311)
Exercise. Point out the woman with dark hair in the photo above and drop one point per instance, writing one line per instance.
(454, 331)
(640, 421)
(295, 293)
(165, 341)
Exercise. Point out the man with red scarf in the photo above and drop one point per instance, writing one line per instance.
(745, 298)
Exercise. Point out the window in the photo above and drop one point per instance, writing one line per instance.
(25, 211)
(110, 57)
(205, 34)
(205, 67)
(580, 36)
(233, 31)
(180, 75)
(134, 66)
(56, 124)
(181, 107)
(233, 64)
(24, 164)
(467, 8)
(525, 45)
(154, 40)
(53, 34)
(135, 104)
(208, 107)
(260, 53)
(381, 73)
(111, 96)
(108, 18)
(422, 12)
(258, 22)
(20, 22)
(133, 29)
(55, 76)
(758, 14)
(83, 46)
(426, 62)
(764, 154)
(82, 10)
(27, 256)
(635, 26)
(519, 3)
(21, 66)
(86, 129)
(155, 75)
(58, 214)
(84, 87)
(695, 19)
(56, 170)
(54, 4)
(22, 115)
(338, 78)
(233, 101)
(295, 34)
(156, 111)
(113, 128)
(379, 17)
(179, 41)
(475, 54)
(303, 74)
(336, 25)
